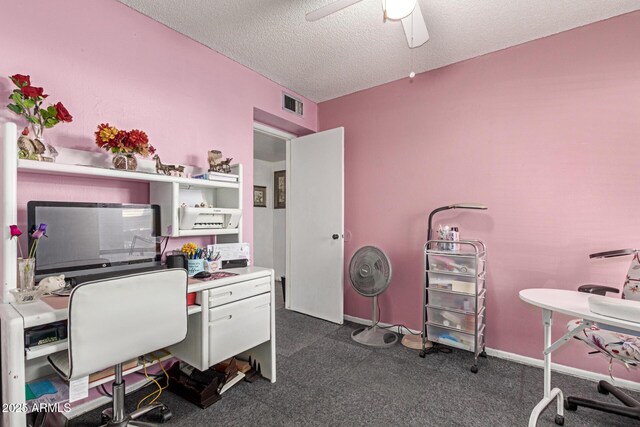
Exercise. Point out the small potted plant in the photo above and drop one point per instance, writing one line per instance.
(124, 145)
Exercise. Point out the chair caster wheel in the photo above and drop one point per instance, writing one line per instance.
(570, 406)
(559, 420)
(602, 390)
(165, 415)
(474, 369)
(422, 353)
(483, 354)
(104, 419)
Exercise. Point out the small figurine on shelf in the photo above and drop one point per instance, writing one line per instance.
(216, 164)
(173, 170)
(29, 148)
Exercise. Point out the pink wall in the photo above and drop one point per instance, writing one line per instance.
(108, 63)
(547, 134)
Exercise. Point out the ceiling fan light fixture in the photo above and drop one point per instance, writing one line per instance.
(398, 9)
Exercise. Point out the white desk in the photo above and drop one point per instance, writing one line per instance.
(571, 303)
(208, 341)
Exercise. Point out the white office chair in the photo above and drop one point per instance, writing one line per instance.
(115, 320)
(615, 345)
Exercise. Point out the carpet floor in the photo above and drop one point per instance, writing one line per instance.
(325, 379)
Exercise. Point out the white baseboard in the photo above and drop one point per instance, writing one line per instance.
(538, 363)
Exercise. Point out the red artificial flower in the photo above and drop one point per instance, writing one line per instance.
(33, 92)
(62, 113)
(136, 138)
(20, 80)
(25, 131)
(15, 231)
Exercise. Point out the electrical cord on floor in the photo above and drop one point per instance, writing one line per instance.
(149, 376)
(155, 394)
(400, 326)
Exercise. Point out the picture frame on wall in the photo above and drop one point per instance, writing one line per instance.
(280, 189)
(259, 196)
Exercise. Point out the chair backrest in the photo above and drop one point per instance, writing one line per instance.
(115, 320)
(631, 288)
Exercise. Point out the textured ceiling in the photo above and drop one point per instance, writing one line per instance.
(269, 148)
(353, 49)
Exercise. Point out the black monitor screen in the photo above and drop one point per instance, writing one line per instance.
(94, 236)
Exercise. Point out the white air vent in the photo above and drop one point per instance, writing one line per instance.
(291, 104)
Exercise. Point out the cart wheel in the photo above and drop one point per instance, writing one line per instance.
(483, 354)
(474, 369)
(570, 406)
(104, 419)
(602, 390)
(559, 420)
(422, 353)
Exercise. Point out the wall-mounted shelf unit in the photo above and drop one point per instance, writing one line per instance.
(32, 166)
(170, 196)
(169, 192)
(454, 296)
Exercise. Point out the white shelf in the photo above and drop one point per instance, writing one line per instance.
(45, 349)
(32, 166)
(193, 309)
(207, 232)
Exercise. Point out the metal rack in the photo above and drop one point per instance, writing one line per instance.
(454, 296)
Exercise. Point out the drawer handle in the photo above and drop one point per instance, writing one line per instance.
(222, 295)
(260, 284)
(263, 305)
(222, 318)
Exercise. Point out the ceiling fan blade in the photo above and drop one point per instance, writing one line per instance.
(415, 28)
(329, 9)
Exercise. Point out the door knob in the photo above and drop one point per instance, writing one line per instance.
(335, 236)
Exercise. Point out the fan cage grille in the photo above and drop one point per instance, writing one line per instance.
(369, 271)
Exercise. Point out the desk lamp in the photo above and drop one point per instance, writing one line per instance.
(613, 254)
(478, 206)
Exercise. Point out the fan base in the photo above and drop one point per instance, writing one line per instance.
(373, 336)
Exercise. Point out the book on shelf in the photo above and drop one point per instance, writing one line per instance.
(231, 382)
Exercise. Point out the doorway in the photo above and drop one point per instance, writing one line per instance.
(269, 210)
(300, 234)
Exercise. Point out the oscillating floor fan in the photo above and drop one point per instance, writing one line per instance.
(370, 275)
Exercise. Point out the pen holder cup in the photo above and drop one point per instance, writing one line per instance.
(195, 266)
(213, 266)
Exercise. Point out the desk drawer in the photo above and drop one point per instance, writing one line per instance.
(230, 293)
(239, 326)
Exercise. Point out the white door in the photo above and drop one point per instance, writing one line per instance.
(315, 225)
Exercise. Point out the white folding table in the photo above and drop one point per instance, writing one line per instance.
(572, 303)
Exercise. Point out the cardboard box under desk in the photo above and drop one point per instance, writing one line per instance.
(111, 371)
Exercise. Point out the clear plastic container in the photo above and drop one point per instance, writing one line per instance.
(461, 302)
(451, 282)
(455, 264)
(460, 321)
(450, 338)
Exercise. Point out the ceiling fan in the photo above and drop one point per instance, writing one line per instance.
(407, 11)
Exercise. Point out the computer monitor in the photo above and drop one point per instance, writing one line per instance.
(94, 238)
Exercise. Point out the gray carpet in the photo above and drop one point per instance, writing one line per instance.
(325, 379)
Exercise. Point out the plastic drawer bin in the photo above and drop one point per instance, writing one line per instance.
(455, 301)
(455, 264)
(460, 321)
(451, 282)
(450, 338)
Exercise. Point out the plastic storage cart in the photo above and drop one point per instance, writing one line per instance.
(454, 297)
